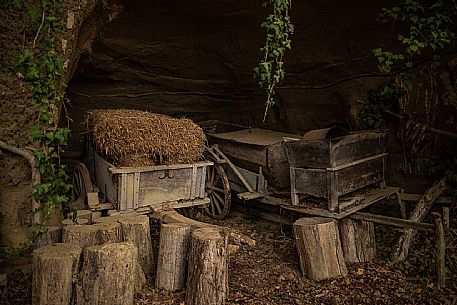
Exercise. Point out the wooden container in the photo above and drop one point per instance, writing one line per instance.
(330, 168)
(252, 148)
(179, 185)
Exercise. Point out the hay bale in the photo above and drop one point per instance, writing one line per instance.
(139, 138)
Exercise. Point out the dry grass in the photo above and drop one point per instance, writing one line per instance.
(140, 138)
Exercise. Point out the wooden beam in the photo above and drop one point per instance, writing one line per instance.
(416, 197)
(392, 221)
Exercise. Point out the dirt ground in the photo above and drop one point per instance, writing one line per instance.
(268, 273)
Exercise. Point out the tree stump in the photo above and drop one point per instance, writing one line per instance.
(108, 275)
(319, 248)
(172, 257)
(54, 267)
(52, 236)
(91, 235)
(357, 240)
(69, 222)
(84, 214)
(135, 229)
(207, 277)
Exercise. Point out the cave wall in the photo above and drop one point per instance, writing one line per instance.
(196, 59)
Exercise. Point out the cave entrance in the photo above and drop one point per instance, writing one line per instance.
(180, 58)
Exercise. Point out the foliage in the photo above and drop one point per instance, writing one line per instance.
(279, 28)
(428, 29)
(41, 66)
(378, 101)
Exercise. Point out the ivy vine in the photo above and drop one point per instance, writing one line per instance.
(41, 66)
(428, 29)
(279, 28)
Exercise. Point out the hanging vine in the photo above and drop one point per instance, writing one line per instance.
(42, 67)
(279, 28)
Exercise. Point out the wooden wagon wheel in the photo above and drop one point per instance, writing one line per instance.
(218, 189)
(81, 184)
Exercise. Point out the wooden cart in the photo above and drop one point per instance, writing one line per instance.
(320, 176)
(142, 189)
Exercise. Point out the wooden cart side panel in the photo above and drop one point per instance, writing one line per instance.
(277, 170)
(311, 181)
(307, 153)
(355, 177)
(332, 153)
(355, 147)
(164, 186)
(104, 179)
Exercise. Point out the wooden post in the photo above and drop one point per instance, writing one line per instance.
(207, 277)
(135, 229)
(424, 205)
(319, 248)
(401, 205)
(108, 275)
(172, 258)
(440, 251)
(446, 219)
(54, 267)
(357, 240)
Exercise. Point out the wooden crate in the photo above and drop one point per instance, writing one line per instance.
(127, 188)
(332, 183)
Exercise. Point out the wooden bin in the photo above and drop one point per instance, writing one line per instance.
(330, 168)
(179, 185)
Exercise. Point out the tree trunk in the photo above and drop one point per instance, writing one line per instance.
(357, 240)
(54, 267)
(135, 229)
(91, 235)
(52, 236)
(108, 275)
(172, 258)
(424, 206)
(207, 277)
(319, 248)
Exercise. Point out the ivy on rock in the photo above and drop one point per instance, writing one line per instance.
(279, 28)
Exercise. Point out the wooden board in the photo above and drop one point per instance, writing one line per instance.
(255, 136)
(316, 182)
(372, 198)
(335, 152)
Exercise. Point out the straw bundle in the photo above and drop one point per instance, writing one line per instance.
(140, 138)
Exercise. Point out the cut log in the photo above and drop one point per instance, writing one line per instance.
(70, 222)
(108, 275)
(91, 235)
(54, 267)
(319, 248)
(440, 252)
(207, 276)
(135, 229)
(84, 214)
(424, 206)
(52, 236)
(172, 258)
(357, 240)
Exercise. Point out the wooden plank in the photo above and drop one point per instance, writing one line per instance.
(141, 169)
(416, 197)
(277, 170)
(336, 152)
(310, 181)
(255, 136)
(193, 182)
(357, 162)
(136, 190)
(392, 221)
(130, 191)
(122, 192)
(250, 177)
(157, 187)
(324, 212)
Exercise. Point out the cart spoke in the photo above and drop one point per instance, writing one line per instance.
(211, 205)
(217, 201)
(217, 189)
